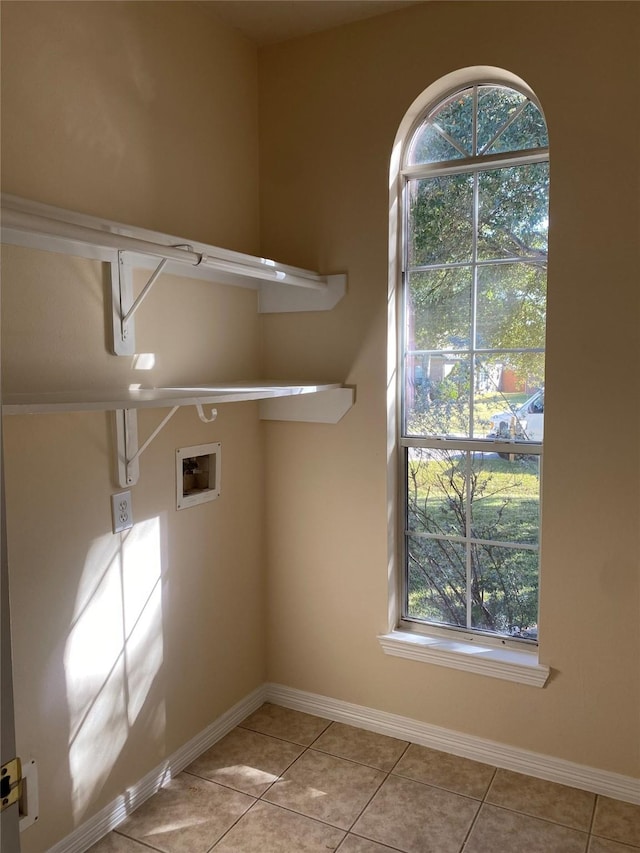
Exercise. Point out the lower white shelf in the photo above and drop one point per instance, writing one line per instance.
(149, 398)
(331, 403)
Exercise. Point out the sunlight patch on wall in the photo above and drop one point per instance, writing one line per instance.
(144, 361)
(113, 653)
(142, 611)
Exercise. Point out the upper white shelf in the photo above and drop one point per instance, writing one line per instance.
(153, 398)
(281, 287)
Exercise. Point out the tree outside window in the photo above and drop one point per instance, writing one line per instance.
(476, 187)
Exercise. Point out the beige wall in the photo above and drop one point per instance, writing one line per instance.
(330, 108)
(142, 113)
(147, 113)
(127, 646)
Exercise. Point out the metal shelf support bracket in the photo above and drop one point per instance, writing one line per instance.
(127, 451)
(124, 306)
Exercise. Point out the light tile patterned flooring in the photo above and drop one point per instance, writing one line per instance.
(288, 782)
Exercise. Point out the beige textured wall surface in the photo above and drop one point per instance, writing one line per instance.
(140, 112)
(330, 108)
(146, 113)
(126, 646)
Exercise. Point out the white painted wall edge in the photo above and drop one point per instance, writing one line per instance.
(468, 746)
(115, 812)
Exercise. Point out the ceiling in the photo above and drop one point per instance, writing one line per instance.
(271, 21)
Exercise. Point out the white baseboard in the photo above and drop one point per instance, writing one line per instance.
(113, 814)
(491, 752)
(468, 746)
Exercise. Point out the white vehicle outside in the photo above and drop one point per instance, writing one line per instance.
(524, 423)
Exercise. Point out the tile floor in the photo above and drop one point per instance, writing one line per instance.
(287, 782)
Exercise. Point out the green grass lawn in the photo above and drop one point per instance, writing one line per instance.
(491, 404)
(505, 495)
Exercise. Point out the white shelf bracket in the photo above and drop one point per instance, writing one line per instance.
(124, 306)
(127, 450)
(126, 421)
(324, 407)
(124, 339)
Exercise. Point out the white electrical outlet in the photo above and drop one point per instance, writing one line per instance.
(121, 511)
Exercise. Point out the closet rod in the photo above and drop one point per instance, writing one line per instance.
(266, 271)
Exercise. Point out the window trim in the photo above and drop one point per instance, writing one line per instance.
(470, 655)
(447, 646)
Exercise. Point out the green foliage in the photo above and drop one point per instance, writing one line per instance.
(440, 220)
(503, 501)
(453, 118)
(506, 121)
(476, 240)
(513, 212)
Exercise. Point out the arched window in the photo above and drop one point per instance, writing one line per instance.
(473, 196)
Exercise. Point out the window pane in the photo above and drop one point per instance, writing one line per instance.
(440, 220)
(487, 399)
(453, 118)
(508, 397)
(496, 105)
(439, 309)
(437, 394)
(513, 211)
(430, 146)
(474, 314)
(504, 590)
(511, 306)
(436, 491)
(437, 580)
(527, 131)
(510, 416)
(505, 498)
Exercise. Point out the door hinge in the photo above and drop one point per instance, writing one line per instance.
(10, 783)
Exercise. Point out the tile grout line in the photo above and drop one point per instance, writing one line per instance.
(592, 822)
(386, 777)
(593, 814)
(387, 773)
(588, 833)
(228, 830)
(289, 810)
(477, 814)
(261, 799)
(305, 749)
(542, 819)
(268, 788)
(368, 803)
(310, 747)
(224, 785)
(117, 831)
(370, 800)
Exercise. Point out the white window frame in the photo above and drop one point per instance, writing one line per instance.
(444, 646)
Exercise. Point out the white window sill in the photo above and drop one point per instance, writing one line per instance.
(510, 664)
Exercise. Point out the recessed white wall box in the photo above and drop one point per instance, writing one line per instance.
(197, 474)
